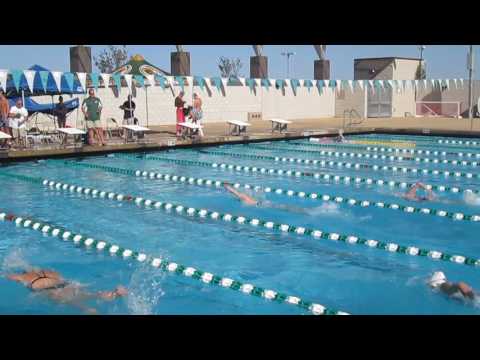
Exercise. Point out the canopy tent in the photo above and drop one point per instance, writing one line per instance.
(48, 109)
(139, 66)
(39, 89)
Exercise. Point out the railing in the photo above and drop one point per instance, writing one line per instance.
(351, 115)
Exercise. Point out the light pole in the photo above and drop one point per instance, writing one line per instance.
(288, 54)
(470, 85)
(420, 68)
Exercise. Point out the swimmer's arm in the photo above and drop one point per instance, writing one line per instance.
(241, 196)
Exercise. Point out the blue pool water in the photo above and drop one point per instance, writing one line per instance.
(352, 278)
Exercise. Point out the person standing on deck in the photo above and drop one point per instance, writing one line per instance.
(92, 109)
(18, 117)
(4, 111)
(179, 105)
(61, 113)
(197, 113)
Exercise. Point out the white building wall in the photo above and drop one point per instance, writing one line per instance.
(219, 106)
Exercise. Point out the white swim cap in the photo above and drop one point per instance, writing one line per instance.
(437, 279)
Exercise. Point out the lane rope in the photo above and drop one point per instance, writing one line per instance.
(180, 210)
(314, 144)
(348, 165)
(328, 177)
(456, 216)
(370, 156)
(166, 266)
(454, 143)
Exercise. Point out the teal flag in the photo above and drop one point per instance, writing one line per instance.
(200, 81)
(294, 83)
(140, 80)
(181, 82)
(94, 78)
(250, 83)
(16, 77)
(118, 81)
(218, 82)
(265, 83)
(320, 85)
(69, 79)
(308, 84)
(280, 83)
(44, 79)
(376, 84)
(161, 80)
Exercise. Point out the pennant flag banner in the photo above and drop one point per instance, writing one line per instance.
(57, 76)
(181, 82)
(250, 83)
(280, 83)
(242, 80)
(265, 83)
(308, 84)
(95, 79)
(332, 84)
(140, 80)
(200, 82)
(3, 79)
(217, 82)
(44, 79)
(224, 83)
(455, 83)
(30, 76)
(350, 85)
(16, 77)
(69, 80)
(361, 83)
(118, 81)
(128, 80)
(161, 80)
(106, 80)
(150, 78)
(82, 78)
(294, 83)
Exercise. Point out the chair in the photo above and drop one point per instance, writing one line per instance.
(113, 128)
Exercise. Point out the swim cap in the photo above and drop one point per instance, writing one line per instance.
(437, 279)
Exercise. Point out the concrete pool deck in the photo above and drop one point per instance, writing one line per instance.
(163, 136)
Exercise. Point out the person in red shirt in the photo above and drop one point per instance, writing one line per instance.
(179, 105)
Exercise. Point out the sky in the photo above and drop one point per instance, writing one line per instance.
(443, 61)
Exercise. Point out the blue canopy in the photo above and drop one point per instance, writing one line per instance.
(38, 89)
(34, 107)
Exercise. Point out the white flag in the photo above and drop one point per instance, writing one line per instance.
(433, 83)
(461, 83)
(447, 83)
(381, 84)
(82, 77)
(29, 75)
(390, 82)
(350, 83)
(425, 84)
(272, 82)
(257, 82)
(224, 83)
(371, 83)
(151, 79)
(455, 83)
(57, 76)
(106, 80)
(360, 83)
(242, 81)
(338, 84)
(416, 84)
(128, 80)
(3, 79)
(301, 83)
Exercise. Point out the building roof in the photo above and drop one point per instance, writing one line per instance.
(388, 58)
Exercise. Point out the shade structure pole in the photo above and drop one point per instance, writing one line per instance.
(146, 101)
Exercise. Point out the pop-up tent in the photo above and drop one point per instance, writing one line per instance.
(48, 109)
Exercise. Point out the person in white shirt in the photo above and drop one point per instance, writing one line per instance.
(18, 117)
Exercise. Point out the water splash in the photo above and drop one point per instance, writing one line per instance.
(325, 209)
(471, 199)
(15, 261)
(144, 291)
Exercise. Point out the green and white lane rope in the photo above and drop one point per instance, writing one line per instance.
(448, 142)
(167, 266)
(370, 148)
(456, 216)
(348, 165)
(332, 178)
(182, 210)
(371, 156)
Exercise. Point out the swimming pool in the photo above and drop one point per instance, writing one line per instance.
(334, 233)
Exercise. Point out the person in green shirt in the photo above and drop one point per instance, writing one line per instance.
(92, 109)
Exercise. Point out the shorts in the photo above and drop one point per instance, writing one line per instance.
(92, 124)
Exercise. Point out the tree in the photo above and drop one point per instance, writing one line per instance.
(229, 67)
(111, 58)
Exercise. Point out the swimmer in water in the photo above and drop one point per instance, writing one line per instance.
(412, 193)
(54, 286)
(459, 290)
(248, 200)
